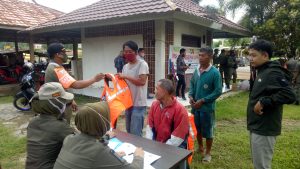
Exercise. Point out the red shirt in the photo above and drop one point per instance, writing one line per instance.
(167, 121)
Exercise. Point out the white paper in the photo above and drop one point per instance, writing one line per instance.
(129, 149)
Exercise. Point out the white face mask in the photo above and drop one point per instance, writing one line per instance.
(63, 107)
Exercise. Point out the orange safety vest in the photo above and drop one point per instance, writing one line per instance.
(191, 137)
(119, 98)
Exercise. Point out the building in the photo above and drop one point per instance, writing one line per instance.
(155, 25)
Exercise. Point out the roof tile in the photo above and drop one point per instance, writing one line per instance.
(25, 14)
(106, 9)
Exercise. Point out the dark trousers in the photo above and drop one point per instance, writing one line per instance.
(180, 83)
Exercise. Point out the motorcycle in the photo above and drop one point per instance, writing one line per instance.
(22, 98)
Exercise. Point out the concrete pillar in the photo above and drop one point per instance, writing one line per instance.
(75, 50)
(159, 50)
(16, 44)
(31, 49)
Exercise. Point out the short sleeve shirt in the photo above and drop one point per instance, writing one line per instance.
(57, 73)
(138, 93)
(180, 62)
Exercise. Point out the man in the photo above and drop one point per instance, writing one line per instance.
(141, 53)
(135, 72)
(46, 132)
(294, 67)
(119, 62)
(216, 60)
(168, 119)
(181, 68)
(229, 68)
(233, 62)
(55, 72)
(271, 89)
(205, 88)
(223, 64)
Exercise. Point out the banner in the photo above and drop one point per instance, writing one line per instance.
(190, 58)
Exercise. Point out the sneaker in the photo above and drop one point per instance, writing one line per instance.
(183, 98)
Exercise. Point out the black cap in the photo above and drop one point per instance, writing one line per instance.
(54, 48)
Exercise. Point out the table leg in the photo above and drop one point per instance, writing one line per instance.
(182, 165)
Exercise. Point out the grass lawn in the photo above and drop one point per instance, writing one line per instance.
(231, 145)
(231, 149)
(11, 149)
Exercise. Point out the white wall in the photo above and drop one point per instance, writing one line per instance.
(98, 57)
(182, 27)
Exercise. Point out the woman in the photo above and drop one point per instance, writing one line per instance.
(46, 132)
(89, 149)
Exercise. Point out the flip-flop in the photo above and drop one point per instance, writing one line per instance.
(206, 159)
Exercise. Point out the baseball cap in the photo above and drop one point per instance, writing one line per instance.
(53, 90)
(54, 48)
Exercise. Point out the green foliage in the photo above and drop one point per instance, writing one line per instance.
(274, 20)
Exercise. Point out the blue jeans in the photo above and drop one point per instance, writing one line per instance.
(135, 120)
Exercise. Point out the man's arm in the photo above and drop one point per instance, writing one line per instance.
(181, 128)
(140, 81)
(217, 90)
(280, 90)
(80, 84)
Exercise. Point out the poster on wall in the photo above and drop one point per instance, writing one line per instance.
(190, 58)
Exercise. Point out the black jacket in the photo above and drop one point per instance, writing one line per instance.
(272, 87)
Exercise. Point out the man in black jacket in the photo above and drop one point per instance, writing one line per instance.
(271, 89)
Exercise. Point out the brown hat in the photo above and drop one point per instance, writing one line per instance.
(93, 119)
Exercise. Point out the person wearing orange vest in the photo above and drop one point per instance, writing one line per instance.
(168, 120)
(135, 73)
(55, 72)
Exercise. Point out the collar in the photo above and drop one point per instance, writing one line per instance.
(206, 70)
(53, 63)
(174, 101)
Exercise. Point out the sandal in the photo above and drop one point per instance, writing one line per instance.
(206, 159)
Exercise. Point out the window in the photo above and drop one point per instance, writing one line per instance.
(190, 41)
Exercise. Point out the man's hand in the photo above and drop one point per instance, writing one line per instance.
(198, 104)
(99, 77)
(192, 101)
(258, 108)
(74, 106)
(121, 75)
(121, 153)
(139, 152)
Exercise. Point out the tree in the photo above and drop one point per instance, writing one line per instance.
(275, 20)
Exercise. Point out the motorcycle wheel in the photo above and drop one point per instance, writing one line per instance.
(21, 103)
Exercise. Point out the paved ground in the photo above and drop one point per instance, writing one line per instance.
(243, 73)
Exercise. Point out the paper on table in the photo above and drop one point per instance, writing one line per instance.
(149, 158)
(129, 149)
(114, 143)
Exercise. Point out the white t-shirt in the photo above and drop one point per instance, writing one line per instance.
(138, 93)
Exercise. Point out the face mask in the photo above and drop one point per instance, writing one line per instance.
(65, 58)
(130, 57)
(142, 54)
(62, 109)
